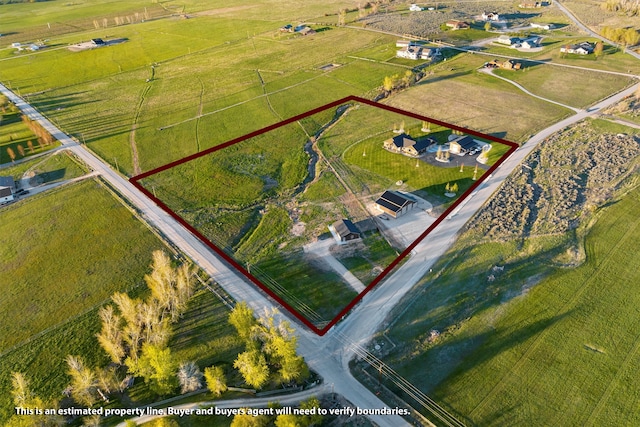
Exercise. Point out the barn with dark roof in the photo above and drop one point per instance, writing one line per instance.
(394, 204)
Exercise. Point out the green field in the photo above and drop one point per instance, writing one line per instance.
(566, 85)
(481, 102)
(535, 330)
(248, 198)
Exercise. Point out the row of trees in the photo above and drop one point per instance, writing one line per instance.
(270, 347)
(397, 82)
(625, 36)
(631, 7)
(44, 137)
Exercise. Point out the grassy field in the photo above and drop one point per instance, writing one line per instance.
(481, 102)
(565, 85)
(535, 326)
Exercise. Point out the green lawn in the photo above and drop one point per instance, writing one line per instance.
(535, 334)
(567, 85)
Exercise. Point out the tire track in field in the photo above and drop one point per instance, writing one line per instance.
(525, 356)
(132, 133)
(266, 95)
(200, 108)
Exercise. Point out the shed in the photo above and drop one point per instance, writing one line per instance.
(344, 230)
(7, 181)
(394, 204)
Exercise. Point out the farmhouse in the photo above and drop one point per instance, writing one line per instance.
(511, 64)
(409, 52)
(287, 28)
(344, 230)
(429, 52)
(457, 25)
(461, 144)
(584, 48)
(394, 204)
(415, 8)
(406, 145)
(97, 42)
(531, 42)
(490, 16)
(6, 195)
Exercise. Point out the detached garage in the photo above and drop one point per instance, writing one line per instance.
(394, 204)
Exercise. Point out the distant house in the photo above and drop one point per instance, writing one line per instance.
(97, 42)
(429, 53)
(457, 25)
(584, 48)
(287, 28)
(406, 145)
(508, 40)
(344, 231)
(394, 204)
(15, 45)
(403, 43)
(410, 52)
(461, 144)
(34, 47)
(6, 195)
(490, 16)
(307, 31)
(542, 26)
(415, 8)
(531, 42)
(511, 64)
(530, 5)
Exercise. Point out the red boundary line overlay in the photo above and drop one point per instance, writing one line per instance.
(135, 181)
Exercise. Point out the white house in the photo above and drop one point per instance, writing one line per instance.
(490, 16)
(415, 8)
(542, 26)
(409, 53)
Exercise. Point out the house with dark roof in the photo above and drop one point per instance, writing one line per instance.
(6, 195)
(461, 144)
(584, 48)
(97, 42)
(344, 231)
(394, 204)
(406, 145)
(457, 25)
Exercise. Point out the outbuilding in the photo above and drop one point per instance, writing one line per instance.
(344, 231)
(394, 204)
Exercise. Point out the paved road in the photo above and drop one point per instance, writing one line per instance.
(328, 355)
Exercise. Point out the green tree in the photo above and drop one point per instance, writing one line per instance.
(241, 318)
(314, 419)
(631, 37)
(487, 26)
(11, 153)
(157, 367)
(387, 83)
(253, 368)
(288, 420)
(598, 49)
(216, 380)
(246, 420)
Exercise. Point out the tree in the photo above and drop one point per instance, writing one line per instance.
(20, 150)
(342, 16)
(163, 422)
(280, 344)
(311, 403)
(246, 420)
(241, 318)
(216, 381)
(387, 83)
(253, 368)
(189, 377)
(92, 421)
(110, 337)
(30, 145)
(157, 367)
(83, 381)
(631, 37)
(11, 153)
(288, 420)
(20, 391)
(598, 49)
(487, 26)
(171, 288)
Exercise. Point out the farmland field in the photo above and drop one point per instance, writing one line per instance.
(541, 309)
(257, 201)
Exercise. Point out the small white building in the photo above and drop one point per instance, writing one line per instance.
(412, 52)
(415, 8)
(542, 26)
(490, 16)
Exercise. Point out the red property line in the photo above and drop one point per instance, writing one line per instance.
(135, 181)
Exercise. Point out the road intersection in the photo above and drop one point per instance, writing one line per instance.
(330, 354)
